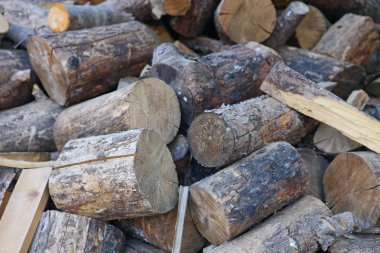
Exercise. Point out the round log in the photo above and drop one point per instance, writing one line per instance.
(356, 243)
(245, 20)
(116, 176)
(148, 103)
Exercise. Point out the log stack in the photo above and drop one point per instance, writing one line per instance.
(189, 125)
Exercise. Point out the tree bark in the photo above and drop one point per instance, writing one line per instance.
(148, 103)
(226, 77)
(176, 7)
(203, 45)
(159, 231)
(141, 9)
(246, 20)
(373, 88)
(63, 232)
(222, 136)
(353, 38)
(137, 246)
(78, 65)
(258, 185)
(64, 17)
(356, 243)
(320, 68)
(19, 34)
(115, 176)
(351, 184)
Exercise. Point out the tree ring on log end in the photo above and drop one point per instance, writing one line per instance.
(59, 18)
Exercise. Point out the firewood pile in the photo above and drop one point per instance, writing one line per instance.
(189, 126)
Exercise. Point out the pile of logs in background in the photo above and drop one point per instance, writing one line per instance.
(266, 109)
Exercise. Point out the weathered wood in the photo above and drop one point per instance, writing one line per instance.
(176, 7)
(122, 175)
(141, 9)
(183, 193)
(319, 68)
(246, 20)
(162, 32)
(63, 232)
(159, 231)
(287, 23)
(356, 243)
(64, 17)
(304, 226)
(19, 34)
(77, 65)
(258, 185)
(7, 181)
(332, 141)
(179, 147)
(196, 18)
(226, 77)
(16, 78)
(301, 94)
(148, 103)
(203, 45)
(138, 246)
(24, 209)
(311, 28)
(222, 136)
(351, 184)
(353, 38)
(4, 25)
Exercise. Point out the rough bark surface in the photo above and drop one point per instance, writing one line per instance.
(222, 136)
(356, 243)
(148, 103)
(115, 176)
(203, 45)
(138, 246)
(63, 232)
(258, 185)
(141, 9)
(77, 65)
(19, 34)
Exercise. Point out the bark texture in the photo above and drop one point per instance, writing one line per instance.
(137, 246)
(203, 45)
(356, 243)
(141, 9)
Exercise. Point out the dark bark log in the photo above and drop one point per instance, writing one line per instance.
(73, 68)
(258, 185)
(141, 9)
(203, 45)
(356, 243)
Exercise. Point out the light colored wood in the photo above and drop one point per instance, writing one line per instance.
(21, 164)
(245, 20)
(176, 7)
(4, 26)
(180, 221)
(27, 156)
(24, 210)
(301, 94)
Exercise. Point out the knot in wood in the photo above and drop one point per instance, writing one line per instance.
(73, 61)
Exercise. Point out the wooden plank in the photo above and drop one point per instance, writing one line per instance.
(24, 210)
(301, 94)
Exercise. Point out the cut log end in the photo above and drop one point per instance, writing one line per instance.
(59, 18)
(214, 140)
(4, 25)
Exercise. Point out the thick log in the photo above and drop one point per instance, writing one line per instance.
(351, 184)
(196, 18)
(316, 166)
(78, 65)
(138, 246)
(353, 38)
(116, 176)
(226, 77)
(64, 17)
(19, 34)
(304, 226)
(356, 243)
(135, 106)
(64, 232)
(301, 94)
(159, 231)
(247, 20)
(16, 78)
(222, 136)
(287, 23)
(258, 185)
(141, 9)
(29, 128)
(320, 68)
(203, 45)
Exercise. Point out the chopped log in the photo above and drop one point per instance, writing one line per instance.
(196, 18)
(301, 94)
(351, 184)
(247, 20)
(258, 185)
(304, 226)
(353, 38)
(78, 65)
(159, 231)
(228, 77)
(176, 7)
(311, 28)
(138, 246)
(203, 45)
(319, 68)
(16, 78)
(4, 25)
(332, 141)
(373, 88)
(184, 49)
(136, 106)
(19, 34)
(64, 17)
(7, 181)
(115, 176)
(29, 128)
(316, 166)
(356, 243)
(24, 210)
(222, 136)
(141, 9)
(64, 232)
(287, 23)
